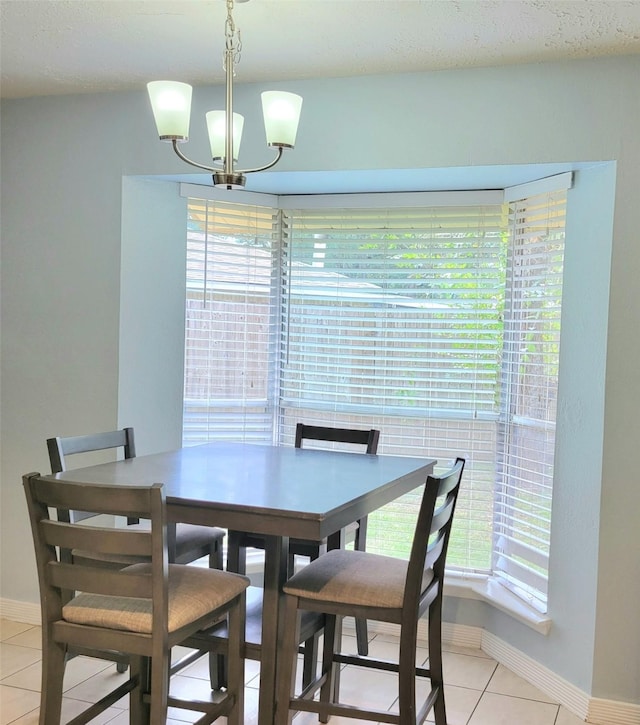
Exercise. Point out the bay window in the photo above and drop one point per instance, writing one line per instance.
(439, 324)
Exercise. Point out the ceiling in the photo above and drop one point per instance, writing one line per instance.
(51, 47)
(54, 47)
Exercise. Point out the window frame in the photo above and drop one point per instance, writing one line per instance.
(477, 585)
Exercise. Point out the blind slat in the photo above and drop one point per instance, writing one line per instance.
(529, 384)
(231, 322)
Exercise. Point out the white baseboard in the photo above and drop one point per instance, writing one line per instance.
(536, 674)
(24, 612)
(612, 712)
(591, 710)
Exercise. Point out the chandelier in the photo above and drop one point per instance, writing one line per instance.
(171, 104)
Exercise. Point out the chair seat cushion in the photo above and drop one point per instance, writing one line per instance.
(193, 592)
(353, 577)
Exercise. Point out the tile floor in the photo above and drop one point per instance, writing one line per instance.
(479, 692)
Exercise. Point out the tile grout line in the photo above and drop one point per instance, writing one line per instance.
(482, 693)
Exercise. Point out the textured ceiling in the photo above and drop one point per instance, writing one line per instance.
(81, 46)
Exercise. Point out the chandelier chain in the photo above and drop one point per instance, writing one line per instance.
(233, 41)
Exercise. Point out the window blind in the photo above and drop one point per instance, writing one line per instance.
(439, 325)
(529, 395)
(231, 317)
(393, 319)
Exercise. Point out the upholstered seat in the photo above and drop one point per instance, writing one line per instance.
(192, 593)
(354, 578)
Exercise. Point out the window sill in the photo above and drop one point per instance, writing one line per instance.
(489, 591)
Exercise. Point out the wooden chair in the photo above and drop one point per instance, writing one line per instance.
(143, 610)
(357, 532)
(360, 584)
(187, 542)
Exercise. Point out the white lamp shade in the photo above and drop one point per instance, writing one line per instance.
(217, 128)
(281, 112)
(171, 104)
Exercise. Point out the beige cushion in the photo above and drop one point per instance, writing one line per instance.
(352, 577)
(193, 592)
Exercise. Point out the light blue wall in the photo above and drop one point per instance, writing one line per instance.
(578, 480)
(152, 299)
(73, 308)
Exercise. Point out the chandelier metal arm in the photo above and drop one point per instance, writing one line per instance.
(262, 168)
(176, 148)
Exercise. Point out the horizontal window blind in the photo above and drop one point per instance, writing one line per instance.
(393, 319)
(439, 325)
(231, 316)
(530, 393)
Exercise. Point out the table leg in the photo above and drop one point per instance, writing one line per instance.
(276, 556)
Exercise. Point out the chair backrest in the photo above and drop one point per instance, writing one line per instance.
(368, 438)
(425, 573)
(60, 447)
(53, 541)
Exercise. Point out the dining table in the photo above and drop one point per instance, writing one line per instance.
(280, 492)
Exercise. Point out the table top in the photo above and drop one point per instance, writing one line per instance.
(265, 489)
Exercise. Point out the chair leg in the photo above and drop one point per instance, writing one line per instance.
(52, 676)
(310, 659)
(237, 563)
(435, 660)
(218, 676)
(291, 564)
(236, 554)
(216, 559)
(159, 687)
(287, 660)
(362, 637)
(235, 688)
(138, 709)
(407, 675)
(439, 709)
(330, 690)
